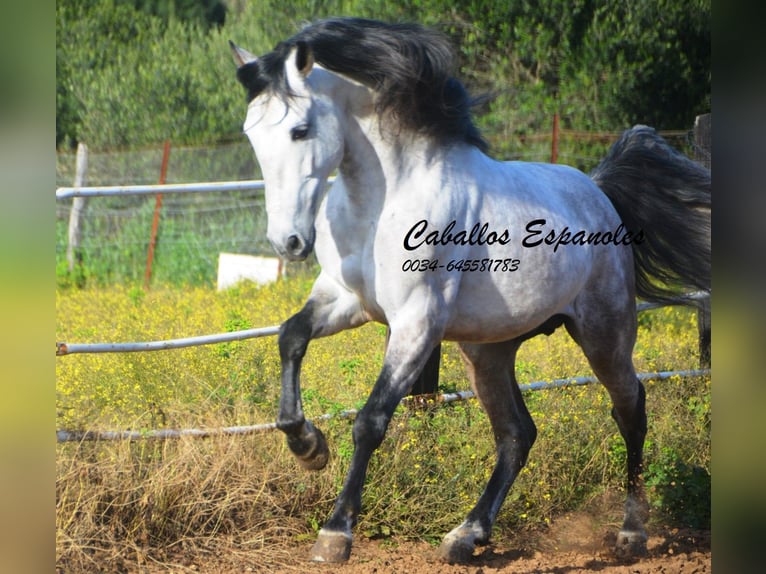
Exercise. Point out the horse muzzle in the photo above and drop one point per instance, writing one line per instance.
(295, 247)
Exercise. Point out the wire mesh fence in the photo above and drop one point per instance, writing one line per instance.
(195, 228)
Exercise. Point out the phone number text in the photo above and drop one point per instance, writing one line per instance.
(462, 265)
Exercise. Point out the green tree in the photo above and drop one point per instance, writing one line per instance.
(133, 72)
(206, 13)
(128, 78)
(654, 58)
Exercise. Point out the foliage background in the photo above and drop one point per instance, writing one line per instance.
(135, 72)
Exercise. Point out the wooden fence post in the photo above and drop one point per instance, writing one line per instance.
(555, 139)
(703, 154)
(73, 252)
(156, 218)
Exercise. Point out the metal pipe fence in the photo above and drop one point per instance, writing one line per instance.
(121, 190)
(63, 348)
(163, 434)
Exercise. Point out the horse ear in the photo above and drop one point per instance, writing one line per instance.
(298, 65)
(304, 58)
(241, 56)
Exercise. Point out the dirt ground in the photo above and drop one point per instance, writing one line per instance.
(574, 543)
(670, 553)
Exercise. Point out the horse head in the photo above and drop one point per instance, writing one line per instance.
(294, 127)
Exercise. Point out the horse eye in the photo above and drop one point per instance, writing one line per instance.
(299, 132)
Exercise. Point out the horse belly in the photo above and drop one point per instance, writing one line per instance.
(488, 314)
(507, 299)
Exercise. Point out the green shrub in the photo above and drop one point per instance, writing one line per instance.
(126, 77)
(680, 491)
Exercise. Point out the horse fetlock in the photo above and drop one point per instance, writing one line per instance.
(331, 546)
(631, 544)
(309, 447)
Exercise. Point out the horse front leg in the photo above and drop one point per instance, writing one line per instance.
(407, 352)
(306, 442)
(330, 309)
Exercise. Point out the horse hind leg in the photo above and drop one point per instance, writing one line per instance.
(490, 367)
(631, 420)
(607, 340)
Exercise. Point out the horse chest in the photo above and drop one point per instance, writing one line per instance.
(345, 251)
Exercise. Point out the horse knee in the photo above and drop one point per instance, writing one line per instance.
(294, 335)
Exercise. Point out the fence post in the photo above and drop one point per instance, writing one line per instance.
(73, 252)
(703, 154)
(555, 139)
(156, 219)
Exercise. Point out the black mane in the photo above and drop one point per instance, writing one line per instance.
(407, 65)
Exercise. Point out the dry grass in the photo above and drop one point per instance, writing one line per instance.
(124, 501)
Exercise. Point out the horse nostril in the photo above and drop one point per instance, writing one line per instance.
(294, 244)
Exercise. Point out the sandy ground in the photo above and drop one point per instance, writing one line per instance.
(671, 553)
(574, 543)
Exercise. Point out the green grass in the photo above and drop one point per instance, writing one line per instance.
(114, 498)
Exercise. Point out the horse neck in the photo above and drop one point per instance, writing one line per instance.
(379, 157)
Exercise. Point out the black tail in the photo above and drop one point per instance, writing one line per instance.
(658, 190)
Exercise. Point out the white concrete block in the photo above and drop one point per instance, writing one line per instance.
(236, 267)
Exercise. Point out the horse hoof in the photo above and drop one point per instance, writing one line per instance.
(331, 547)
(455, 551)
(630, 544)
(310, 448)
